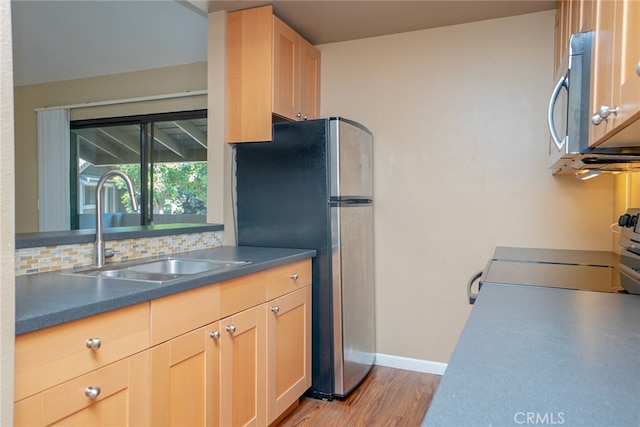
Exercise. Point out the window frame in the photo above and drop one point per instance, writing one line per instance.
(146, 122)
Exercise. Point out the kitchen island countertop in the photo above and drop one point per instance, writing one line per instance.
(535, 355)
(48, 299)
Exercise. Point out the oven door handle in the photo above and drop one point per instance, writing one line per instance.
(472, 296)
(563, 82)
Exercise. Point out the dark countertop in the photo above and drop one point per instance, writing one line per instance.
(48, 299)
(54, 238)
(551, 356)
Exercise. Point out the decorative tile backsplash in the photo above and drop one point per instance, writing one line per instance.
(51, 258)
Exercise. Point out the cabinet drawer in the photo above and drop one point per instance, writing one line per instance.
(288, 278)
(51, 356)
(244, 292)
(122, 398)
(178, 314)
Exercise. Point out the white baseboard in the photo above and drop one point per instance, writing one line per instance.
(418, 365)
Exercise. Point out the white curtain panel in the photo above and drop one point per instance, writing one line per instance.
(53, 170)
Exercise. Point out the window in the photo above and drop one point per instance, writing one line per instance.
(165, 155)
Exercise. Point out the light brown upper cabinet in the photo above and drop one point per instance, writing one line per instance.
(272, 74)
(572, 16)
(615, 80)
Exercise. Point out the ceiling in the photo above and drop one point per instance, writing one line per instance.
(334, 21)
(62, 40)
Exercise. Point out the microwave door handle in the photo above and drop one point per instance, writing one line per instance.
(563, 82)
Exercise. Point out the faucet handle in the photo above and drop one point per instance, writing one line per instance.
(109, 253)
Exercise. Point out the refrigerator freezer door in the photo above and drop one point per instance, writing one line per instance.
(353, 294)
(351, 168)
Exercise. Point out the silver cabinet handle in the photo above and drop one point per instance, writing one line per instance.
(596, 119)
(605, 111)
(638, 68)
(214, 334)
(603, 114)
(92, 392)
(231, 328)
(275, 309)
(93, 343)
(298, 115)
(294, 276)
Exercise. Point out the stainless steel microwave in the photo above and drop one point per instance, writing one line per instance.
(569, 115)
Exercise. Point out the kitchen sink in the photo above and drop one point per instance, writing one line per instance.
(183, 267)
(158, 270)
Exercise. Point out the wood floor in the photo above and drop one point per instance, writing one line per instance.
(387, 397)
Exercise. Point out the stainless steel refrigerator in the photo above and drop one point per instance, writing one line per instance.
(311, 187)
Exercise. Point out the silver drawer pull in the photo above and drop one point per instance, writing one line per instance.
(214, 334)
(92, 392)
(603, 114)
(275, 309)
(294, 276)
(231, 328)
(94, 343)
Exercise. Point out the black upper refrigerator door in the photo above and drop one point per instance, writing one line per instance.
(282, 187)
(350, 152)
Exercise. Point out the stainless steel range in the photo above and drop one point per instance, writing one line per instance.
(598, 271)
(630, 256)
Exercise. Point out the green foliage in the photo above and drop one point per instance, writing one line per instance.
(178, 188)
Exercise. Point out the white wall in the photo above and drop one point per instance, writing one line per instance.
(459, 119)
(7, 237)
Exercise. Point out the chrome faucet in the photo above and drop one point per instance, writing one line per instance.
(100, 251)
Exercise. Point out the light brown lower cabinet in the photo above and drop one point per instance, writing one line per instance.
(221, 375)
(115, 395)
(173, 361)
(185, 381)
(288, 351)
(243, 368)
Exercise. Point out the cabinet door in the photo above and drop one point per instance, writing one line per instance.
(243, 368)
(560, 30)
(185, 380)
(628, 35)
(616, 83)
(285, 70)
(587, 15)
(602, 69)
(289, 350)
(121, 398)
(249, 75)
(309, 80)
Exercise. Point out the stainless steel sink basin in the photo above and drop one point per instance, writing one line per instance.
(158, 270)
(183, 267)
